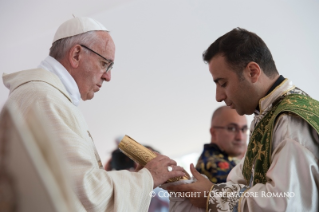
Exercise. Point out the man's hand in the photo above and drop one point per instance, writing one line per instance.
(202, 185)
(138, 167)
(158, 168)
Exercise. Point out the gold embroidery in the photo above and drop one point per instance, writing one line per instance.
(255, 146)
(207, 201)
(259, 146)
(260, 152)
(97, 157)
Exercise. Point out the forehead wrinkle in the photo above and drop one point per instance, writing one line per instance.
(105, 44)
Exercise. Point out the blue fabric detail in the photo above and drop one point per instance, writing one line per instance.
(215, 164)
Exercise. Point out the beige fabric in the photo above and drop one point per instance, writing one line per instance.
(294, 167)
(97, 189)
(34, 174)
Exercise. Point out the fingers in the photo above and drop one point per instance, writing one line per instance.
(156, 153)
(178, 168)
(165, 160)
(169, 162)
(195, 173)
(158, 167)
(176, 172)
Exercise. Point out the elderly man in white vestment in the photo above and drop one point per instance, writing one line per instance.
(81, 59)
(280, 171)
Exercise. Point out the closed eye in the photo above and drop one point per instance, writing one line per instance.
(104, 65)
(221, 82)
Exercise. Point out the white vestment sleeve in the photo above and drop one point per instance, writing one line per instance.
(292, 179)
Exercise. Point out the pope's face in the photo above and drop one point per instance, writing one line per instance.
(236, 93)
(92, 69)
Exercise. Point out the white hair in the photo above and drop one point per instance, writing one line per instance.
(61, 47)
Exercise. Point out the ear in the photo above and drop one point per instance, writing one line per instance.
(252, 71)
(212, 131)
(75, 55)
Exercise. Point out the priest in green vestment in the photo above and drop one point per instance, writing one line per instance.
(280, 171)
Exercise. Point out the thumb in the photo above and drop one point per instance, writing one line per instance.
(138, 167)
(195, 173)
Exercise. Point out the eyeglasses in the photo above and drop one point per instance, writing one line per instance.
(111, 63)
(233, 128)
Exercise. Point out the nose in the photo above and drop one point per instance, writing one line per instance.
(220, 95)
(107, 76)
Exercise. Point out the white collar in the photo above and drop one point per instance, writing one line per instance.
(52, 65)
(266, 102)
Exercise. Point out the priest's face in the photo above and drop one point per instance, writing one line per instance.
(237, 92)
(229, 132)
(92, 70)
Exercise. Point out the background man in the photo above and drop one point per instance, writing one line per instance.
(228, 140)
(118, 160)
(81, 59)
(283, 151)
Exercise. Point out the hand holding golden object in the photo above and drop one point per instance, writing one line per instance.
(141, 155)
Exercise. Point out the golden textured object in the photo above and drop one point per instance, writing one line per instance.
(137, 152)
(141, 155)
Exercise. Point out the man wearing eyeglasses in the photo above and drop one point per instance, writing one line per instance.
(80, 61)
(228, 143)
(280, 171)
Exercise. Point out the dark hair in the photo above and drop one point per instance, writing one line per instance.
(241, 47)
(120, 161)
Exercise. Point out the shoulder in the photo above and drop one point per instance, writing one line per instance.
(288, 121)
(294, 128)
(34, 83)
(43, 96)
(39, 90)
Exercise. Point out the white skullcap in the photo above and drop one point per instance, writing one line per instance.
(76, 26)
